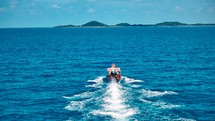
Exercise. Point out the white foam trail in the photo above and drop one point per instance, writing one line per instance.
(79, 101)
(79, 96)
(130, 80)
(98, 81)
(135, 86)
(114, 103)
(144, 100)
(165, 105)
(160, 104)
(183, 119)
(149, 93)
(75, 105)
(112, 100)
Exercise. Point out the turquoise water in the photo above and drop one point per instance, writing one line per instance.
(168, 73)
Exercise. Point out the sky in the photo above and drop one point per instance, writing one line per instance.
(49, 13)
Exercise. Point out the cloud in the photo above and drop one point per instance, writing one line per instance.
(56, 1)
(91, 0)
(211, 9)
(90, 10)
(55, 6)
(2, 9)
(179, 8)
(13, 4)
(198, 10)
(123, 10)
(205, 9)
(151, 12)
(137, 0)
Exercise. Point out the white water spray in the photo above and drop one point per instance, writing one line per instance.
(114, 103)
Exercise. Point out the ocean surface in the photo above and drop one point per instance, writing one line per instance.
(168, 74)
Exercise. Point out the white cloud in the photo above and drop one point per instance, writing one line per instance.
(56, 6)
(137, 0)
(90, 10)
(56, 1)
(211, 9)
(2, 9)
(91, 0)
(13, 4)
(204, 9)
(151, 12)
(179, 8)
(198, 10)
(123, 10)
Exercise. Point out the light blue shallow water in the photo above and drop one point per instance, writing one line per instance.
(59, 74)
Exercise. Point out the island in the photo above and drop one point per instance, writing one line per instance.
(94, 24)
(123, 24)
(65, 26)
(176, 23)
(163, 24)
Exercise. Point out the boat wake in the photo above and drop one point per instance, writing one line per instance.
(115, 103)
(123, 101)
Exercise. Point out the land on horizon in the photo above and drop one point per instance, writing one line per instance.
(99, 24)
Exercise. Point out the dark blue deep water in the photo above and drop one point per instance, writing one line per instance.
(168, 73)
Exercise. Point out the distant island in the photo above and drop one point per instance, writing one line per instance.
(93, 23)
(99, 24)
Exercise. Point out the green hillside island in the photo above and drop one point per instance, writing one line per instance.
(65, 26)
(123, 24)
(99, 24)
(94, 24)
(171, 24)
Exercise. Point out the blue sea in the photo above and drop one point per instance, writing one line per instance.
(168, 74)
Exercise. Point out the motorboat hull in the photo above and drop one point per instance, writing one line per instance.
(116, 78)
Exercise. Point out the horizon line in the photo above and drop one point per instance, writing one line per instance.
(187, 24)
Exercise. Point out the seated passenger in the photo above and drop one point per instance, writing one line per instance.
(113, 70)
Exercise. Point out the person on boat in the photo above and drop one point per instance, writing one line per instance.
(113, 70)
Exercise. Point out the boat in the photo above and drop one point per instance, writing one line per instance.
(114, 76)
